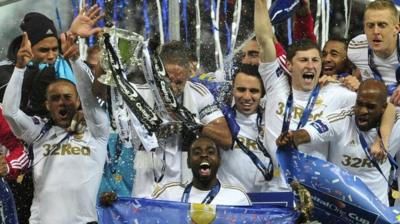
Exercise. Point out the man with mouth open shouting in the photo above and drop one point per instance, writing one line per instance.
(345, 129)
(297, 94)
(67, 166)
(204, 160)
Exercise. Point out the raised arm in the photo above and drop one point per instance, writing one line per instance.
(96, 118)
(264, 32)
(21, 124)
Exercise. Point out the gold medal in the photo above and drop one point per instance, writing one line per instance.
(395, 194)
(202, 213)
(20, 178)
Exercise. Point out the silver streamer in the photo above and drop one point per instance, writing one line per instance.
(347, 17)
(235, 30)
(198, 33)
(81, 41)
(219, 61)
(317, 20)
(323, 20)
(160, 22)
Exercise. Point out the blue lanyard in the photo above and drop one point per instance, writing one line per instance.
(44, 130)
(306, 113)
(267, 171)
(208, 199)
(377, 76)
(367, 152)
(47, 126)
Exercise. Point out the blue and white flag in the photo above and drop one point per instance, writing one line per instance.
(133, 210)
(338, 196)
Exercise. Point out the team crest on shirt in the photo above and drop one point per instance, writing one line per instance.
(35, 120)
(319, 101)
(279, 71)
(319, 126)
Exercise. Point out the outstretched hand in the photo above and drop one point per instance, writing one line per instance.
(24, 54)
(69, 48)
(351, 82)
(84, 24)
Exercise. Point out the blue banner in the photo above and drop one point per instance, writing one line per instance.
(8, 213)
(133, 210)
(282, 199)
(338, 196)
(281, 10)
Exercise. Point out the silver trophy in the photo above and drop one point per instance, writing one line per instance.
(128, 46)
(123, 50)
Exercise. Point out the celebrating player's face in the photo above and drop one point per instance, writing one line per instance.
(46, 50)
(305, 68)
(62, 102)
(247, 93)
(381, 29)
(178, 76)
(334, 58)
(370, 106)
(251, 53)
(204, 159)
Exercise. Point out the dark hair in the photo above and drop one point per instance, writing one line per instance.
(250, 70)
(199, 137)
(339, 39)
(348, 65)
(175, 52)
(60, 80)
(301, 45)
